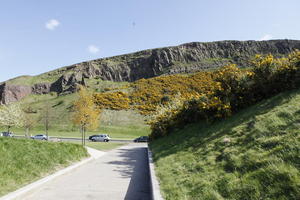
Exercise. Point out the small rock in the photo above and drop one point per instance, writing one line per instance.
(226, 140)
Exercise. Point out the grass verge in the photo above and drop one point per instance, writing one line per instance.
(255, 154)
(23, 161)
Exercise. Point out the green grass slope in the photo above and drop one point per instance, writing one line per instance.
(23, 161)
(255, 154)
(123, 124)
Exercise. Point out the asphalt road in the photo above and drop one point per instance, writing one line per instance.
(122, 173)
(76, 139)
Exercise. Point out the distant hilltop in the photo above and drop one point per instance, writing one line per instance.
(185, 58)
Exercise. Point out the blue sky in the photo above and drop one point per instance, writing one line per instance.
(38, 36)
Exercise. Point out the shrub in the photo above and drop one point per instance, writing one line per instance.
(150, 93)
(232, 89)
(165, 117)
(112, 100)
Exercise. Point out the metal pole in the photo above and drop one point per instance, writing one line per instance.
(84, 137)
(81, 130)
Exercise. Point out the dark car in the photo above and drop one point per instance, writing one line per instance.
(7, 134)
(141, 139)
(91, 137)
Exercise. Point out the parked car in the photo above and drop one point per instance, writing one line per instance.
(141, 139)
(100, 138)
(7, 134)
(40, 137)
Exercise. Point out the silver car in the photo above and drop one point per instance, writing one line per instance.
(100, 138)
(40, 137)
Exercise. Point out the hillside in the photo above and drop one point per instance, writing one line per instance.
(123, 124)
(254, 154)
(185, 58)
(24, 161)
(126, 105)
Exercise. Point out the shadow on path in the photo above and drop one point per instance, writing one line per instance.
(135, 165)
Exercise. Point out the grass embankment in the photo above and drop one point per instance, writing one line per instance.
(255, 154)
(23, 161)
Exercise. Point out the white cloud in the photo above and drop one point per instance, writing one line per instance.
(52, 24)
(266, 37)
(93, 49)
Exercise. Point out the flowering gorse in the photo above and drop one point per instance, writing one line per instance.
(176, 100)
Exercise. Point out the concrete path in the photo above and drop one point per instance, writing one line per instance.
(122, 173)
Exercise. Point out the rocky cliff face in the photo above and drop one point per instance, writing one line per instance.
(186, 58)
(12, 93)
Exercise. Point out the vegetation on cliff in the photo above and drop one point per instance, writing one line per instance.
(145, 95)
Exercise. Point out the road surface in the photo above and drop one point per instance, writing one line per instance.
(54, 138)
(122, 173)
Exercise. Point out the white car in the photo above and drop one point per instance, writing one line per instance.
(100, 138)
(40, 137)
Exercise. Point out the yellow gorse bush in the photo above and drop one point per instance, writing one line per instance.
(112, 100)
(294, 58)
(148, 94)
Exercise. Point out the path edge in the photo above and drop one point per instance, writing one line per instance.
(154, 184)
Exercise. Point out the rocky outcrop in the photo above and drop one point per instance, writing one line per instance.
(12, 93)
(41, 88)
(68, 83)
(185, 58)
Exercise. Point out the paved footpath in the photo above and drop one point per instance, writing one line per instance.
(120, 174)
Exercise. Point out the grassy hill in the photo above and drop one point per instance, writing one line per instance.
(125, 106)
(24, 161)
(126, 124)
(254, 154)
